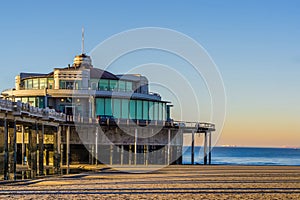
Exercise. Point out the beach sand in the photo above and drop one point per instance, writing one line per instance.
(173, 182)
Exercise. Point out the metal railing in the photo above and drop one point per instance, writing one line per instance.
(19, 108)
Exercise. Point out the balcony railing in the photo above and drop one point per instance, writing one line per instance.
(19, 108)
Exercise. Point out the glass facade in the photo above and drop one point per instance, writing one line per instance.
(131, 108)
(38, 83)
(115, 85)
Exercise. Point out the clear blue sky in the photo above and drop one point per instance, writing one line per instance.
(254, 43)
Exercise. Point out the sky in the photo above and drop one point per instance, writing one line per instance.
(255, 45)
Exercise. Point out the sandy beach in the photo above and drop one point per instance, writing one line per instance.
(173, 182)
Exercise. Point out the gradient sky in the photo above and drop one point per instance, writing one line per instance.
(255, 44)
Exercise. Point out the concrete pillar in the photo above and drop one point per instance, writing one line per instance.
(111, 152)
(205, 148)
(23, 144)
(193, 148)
(6, 154)
(68, 149)
(96, 145)
(209, 148)
(14, 145)
(33, 150)
(122, 155)
(169, 145)
(58, 148)
(135, 144)
(129, 155)
(41, 151)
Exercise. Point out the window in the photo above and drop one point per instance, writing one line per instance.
(122, 86)
(108, 107)
(125, 108)
(139, 109)
(132, 109)
(32, 101)
(35, 83)
(155, 111)
(100, 106)
(103, 84)
(29, 83)
(50, 83)
(128, 86)
(117, 108)
(151, 109)
(113, 85)
(145, 110)
(43, 83)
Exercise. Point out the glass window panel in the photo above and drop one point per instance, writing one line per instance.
(29, 83)
(43, 83)
(24, 99)
(155, 111)
(125, 108)
(35, 83)
(122, 86)
(128, 86)
(139, 109)
(26, 84)
(113, 85)
(50, 83)
(151, 109)
(62, 84)
(100, 106)
(132, 109)
(160, 111)
(145, 110)
(40, 102)
(117, 108)
(108, 107)
(32, 101)
(103, 84)
(164, 112)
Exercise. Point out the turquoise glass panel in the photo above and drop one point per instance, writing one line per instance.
(145, 110)
(156, 111)
(139, 109)
(122, 86)
(103, 84)
(132, 109)
(151, 110)
(100, 106)
(108, 107)
(125, 109)
(117, 108)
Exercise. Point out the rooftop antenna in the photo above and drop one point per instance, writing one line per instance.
(82, 41)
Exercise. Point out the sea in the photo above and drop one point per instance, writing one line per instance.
(246, 156)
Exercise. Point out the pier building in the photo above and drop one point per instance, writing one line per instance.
(105, 118)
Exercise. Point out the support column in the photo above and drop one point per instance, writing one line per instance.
(135, 145)
(205, 148)
(6, 150)
(68, 149)
(129, 155)
(169, 145)
(193, 148)
(96, 146)
(14, 164)
(23, 144)
(209, 148)
(58, 148)
(122, 154)
(41, 151)
(147, 154)
(33, 150)
(111, 151)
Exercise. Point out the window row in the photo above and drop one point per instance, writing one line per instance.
(38, 83)
(131, 109)
(33, 101)
(115, 85)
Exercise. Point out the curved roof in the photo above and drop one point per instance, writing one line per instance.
(99, 73)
